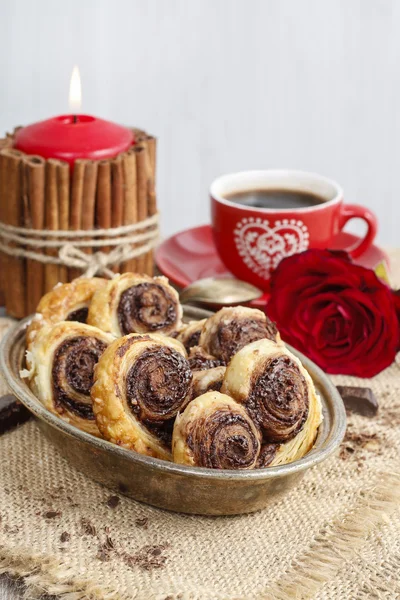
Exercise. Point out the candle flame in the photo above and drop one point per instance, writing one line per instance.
(75, 91)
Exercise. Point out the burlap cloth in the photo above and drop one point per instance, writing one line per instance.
(337, 535)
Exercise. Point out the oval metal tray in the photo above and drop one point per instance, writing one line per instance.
(167, 485)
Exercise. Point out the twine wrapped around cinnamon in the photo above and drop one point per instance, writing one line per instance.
(57, 223)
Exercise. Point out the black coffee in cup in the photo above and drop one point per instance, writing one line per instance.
(275, 198)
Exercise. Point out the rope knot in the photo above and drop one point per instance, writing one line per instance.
(92, 264)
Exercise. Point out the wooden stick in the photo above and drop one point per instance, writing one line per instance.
(76, 204)
(129, 166)
(117, 183)
(63, 179)
(103, 200)
(51, 220)
(10, 192)
(34, 171)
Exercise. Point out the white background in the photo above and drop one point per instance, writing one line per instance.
(225, 85)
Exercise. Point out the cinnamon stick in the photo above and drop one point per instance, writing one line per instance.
(152, 146)
(117, 183)
(138, 134)
(5, 142)
(51, 220)
(63, 178)
(89, 196)
(141, 167)
(151, 197)
(76, 205)
(129, 168)
(143, 176)
(34, 175)
(103, 200)
(12, 214)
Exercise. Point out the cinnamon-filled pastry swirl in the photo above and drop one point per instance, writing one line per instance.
(278, 394)
(230, 329)
(66, 302)
(216, 432)
(141, 382)
(190, 334)
(132, 303)
(60, 367)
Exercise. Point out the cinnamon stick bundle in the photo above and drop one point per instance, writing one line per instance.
(43, 194)
(34, 175)
(12, 214)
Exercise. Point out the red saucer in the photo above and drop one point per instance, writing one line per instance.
(190, 255)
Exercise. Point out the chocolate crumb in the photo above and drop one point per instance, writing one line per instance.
(12, 413)
(353, 442)
(359, 400)
(52, 514)
(105, 549)
(113, 502)
(147, 558)
(65, 536)
(144, 522)
(12, 530)
(87, 527)
(390, 417)
(103, 554)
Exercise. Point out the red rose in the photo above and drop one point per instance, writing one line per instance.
(339, 314)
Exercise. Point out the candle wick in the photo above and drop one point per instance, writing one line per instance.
(75, 118)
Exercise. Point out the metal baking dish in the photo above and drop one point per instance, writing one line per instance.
(167, 485)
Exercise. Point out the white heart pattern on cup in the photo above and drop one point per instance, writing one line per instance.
(262, 246)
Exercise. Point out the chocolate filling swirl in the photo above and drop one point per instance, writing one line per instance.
(199, 360)
(158, 385)
(223, 440)
(72, 374)
(278, 401)
(146, 306)
(233, 335)
(192, 340)
(267, 455)
(80, 315)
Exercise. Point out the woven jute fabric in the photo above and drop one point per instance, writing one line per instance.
(335, 536)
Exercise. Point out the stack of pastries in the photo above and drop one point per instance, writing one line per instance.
(114, 359)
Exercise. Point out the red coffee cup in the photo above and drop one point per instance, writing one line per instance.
(251, 241)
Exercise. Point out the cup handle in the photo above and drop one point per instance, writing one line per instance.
(354, 211)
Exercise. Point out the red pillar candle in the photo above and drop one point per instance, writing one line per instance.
(69, 137)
